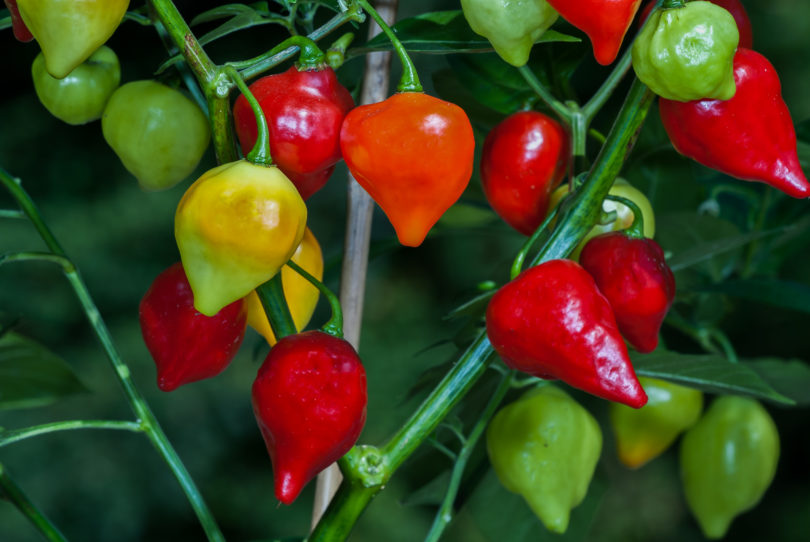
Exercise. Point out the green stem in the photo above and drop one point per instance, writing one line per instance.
(672, 4)
(14, 493)
(11, 213)
(335, 324)
(410, 80)
(260, 153)
(222, 136)
(556, 105)
(10, 436)
(728, 348)
(636, 229)
(184, 39)
(517, 264)
(134, 397)
(751, 250)
(271, 294)
(445, 513)
(336, 54)
(251, 68)
(605, 91)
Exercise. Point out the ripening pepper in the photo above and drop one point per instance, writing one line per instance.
(545, 447)
(413, 154)
(309, 399)
(604, 21)
(645, 433)
(525, 157)
(235, 227)
(187, 346)
(21, 31)
(304, 111)
(300, 294)
(632, 273)
(69, 31)
(687, 53)
(750, 137)
(624, 216)
(81, 96)
(734, 7)
(728, 460)
(552, 322)
(511, 27)
(159, 134)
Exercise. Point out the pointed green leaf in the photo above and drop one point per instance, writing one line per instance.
(789, 377)
(441, 32)
(709, 372)
(31, 375)
(230, 10)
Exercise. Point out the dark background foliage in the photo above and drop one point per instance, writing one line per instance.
(101, 486)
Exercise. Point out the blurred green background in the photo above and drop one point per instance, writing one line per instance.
(104, 486)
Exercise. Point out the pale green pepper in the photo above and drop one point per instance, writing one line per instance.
(511, 26)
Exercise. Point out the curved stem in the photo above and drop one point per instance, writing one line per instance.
(636, 229)
(445, 513)
(11, 491)
(410, 80)
(605, 91)
(10, 436)
(336, 54)
(134, 397)
(556, 105)
(260, 153)
(517, 264)
(251, 68)
(335, 324)
(271, 294)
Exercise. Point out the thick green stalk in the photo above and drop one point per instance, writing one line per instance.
(134, 397)
(15, 495)
(366, 469)
(271, 294)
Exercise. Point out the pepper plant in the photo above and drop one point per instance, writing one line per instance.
(255, 160)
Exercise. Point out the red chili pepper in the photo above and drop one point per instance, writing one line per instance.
(186, 345)
(633, 275)
(604, 21)
(734, 7)
(750, 137)
(304, 112)
(524, 158)
(552, 322)
(309, 399)
(413, 154)
(18, 26)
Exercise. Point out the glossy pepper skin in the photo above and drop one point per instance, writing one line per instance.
(413, 154)
(68, 31)
(511, 27)
(750, 137)
(524, 158)
(82, 95)
(624, 216)
(645, 433)
(633, 275)
(187, 346)
(304, 112)
(300, 294)
(21, 31)
(552, 322)
(545, 447)
(604, 21)
(309, 399)
(235, 227)
(734, 7)
(159, 134)
(687, 53)
(728, 460)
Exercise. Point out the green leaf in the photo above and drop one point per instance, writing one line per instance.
(242, 17)
(789, 377)
(449, 88)
(230, 10)
(432, 493)
(474, 307)
(492, 82)
(31, 375)
(803, 131)
(5, 19)
(709, 372)
(780, 293)
(464, 215)
(441, 32)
